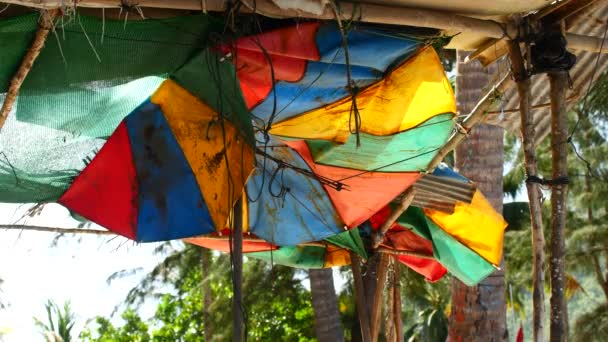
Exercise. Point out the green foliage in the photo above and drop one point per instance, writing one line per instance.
(432, 326)
(587, 238)
(592, 326)
(59, 324)
(428, 307)
(276, 304)
(517, 215)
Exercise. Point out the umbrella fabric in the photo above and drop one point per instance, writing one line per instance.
(218, 241)
(286, 207)
(168, 171)
(485, 236)
(458, 259)
(411, 150)
(309, 66)
(396, 78)
(335, 252)
(76, 95)
(364, 193)
(411, 94)
(403, 239)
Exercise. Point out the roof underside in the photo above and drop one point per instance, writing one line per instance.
(591, 22)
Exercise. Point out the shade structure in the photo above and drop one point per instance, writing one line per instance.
(160, 176)
(333, 251)
(175, 166)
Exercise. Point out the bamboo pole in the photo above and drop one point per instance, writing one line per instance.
(362, 312)
(237, 278)
(528, 136)
(404, 203)
(559, 151)
(47, 17)
(371, 13)
(476, 116)
(381, 273)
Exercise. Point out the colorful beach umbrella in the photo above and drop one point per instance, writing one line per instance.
(172, 169)
(393, 77)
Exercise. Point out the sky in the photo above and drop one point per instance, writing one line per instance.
(35, 269)
(75, 269)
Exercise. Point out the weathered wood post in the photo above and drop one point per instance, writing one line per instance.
(528, 138)
(559, 152)
(362, 310)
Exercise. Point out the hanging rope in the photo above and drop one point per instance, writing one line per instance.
(353, 89)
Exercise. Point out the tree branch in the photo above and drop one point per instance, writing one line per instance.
(598, 274)
(56, 230)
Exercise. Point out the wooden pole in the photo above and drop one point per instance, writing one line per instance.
(47, 17)
(476, 116)
(404, 203)
(381, 273)
(397, 300)
(360, 298)
(528, 137)
(559, 152)
(237, 277)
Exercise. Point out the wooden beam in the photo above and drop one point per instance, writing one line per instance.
(361, 301)
(370, 13)
(237, 276)
(476, 116)
(528, 137)
(559, 151)
(47, 17)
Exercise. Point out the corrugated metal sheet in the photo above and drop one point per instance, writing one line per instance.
(441, 193)
(590, 22)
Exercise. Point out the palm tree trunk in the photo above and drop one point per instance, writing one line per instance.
(328, 326)
(479, 313)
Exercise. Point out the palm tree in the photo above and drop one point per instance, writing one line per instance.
(479, 313)
(60, 322)
(325, 304)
